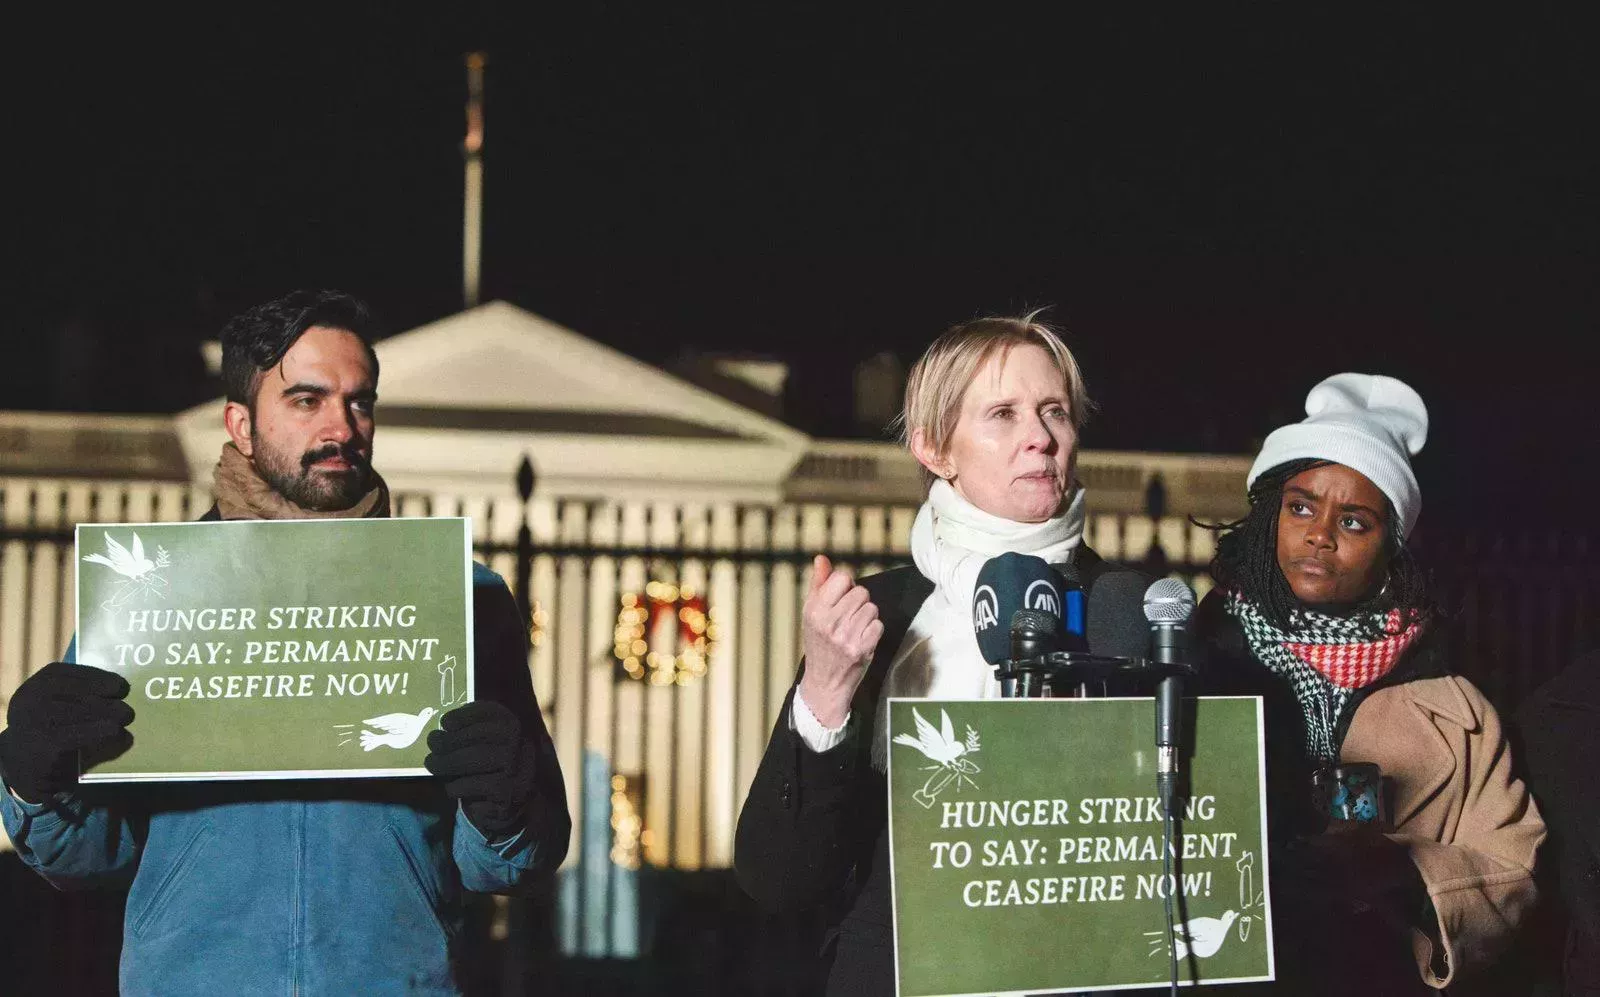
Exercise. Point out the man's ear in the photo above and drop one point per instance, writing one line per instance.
(940, 465)
(236, 419)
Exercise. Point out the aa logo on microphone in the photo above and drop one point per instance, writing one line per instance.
(1042, 595)
(985, 607)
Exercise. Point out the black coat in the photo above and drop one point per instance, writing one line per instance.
(814, 830)
(1560, 727)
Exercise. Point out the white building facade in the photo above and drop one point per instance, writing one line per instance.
(672, 528)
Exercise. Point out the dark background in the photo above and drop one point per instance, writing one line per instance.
(1222, 205)
(1221, 210)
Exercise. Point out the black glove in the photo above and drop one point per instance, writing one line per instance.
(486, 763)
(60, 710)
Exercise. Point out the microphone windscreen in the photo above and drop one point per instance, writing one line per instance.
(1006, 584)
(1117, 626)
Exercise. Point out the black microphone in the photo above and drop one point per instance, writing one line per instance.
(1034, 634)
(1116, 626)
(1167, 605)
(1006, 584)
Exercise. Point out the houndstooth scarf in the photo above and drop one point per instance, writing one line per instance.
(1325, 659)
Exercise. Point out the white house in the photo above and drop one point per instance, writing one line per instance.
(654, 497)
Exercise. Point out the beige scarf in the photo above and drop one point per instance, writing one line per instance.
(242, 493)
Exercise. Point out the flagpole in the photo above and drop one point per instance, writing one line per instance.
(472, 220)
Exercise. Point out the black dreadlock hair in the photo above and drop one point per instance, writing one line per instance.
(1247, 556)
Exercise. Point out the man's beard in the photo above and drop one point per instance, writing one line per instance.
(310, 489)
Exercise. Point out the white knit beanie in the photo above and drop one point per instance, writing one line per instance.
(1367, 422)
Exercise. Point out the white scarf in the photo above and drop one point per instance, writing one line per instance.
(950, 541)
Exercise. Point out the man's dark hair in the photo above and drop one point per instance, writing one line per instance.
(1247, 556)
(255, 341)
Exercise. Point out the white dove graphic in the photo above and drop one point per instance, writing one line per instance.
(1204, 935)
(939, 745)
(132, 564)
(400, 730)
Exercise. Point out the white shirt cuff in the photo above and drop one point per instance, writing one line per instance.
(816, 737)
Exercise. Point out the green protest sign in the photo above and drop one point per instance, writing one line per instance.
(278, 649)
(1026, 847)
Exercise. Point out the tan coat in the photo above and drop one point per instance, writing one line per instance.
(1470, 824)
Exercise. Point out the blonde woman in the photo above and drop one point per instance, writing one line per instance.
(993, 410)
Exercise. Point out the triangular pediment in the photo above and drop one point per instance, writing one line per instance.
(463, 400)
(500, 368)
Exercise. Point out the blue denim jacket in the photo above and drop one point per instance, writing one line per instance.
(302, 888)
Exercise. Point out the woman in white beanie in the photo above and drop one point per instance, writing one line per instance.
(1320, 608)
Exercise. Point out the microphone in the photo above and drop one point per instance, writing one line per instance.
(1034, 634)
(1116, 626)
(1167, 606)
(1006, 584)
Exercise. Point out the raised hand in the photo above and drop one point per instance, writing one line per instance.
(839, 630)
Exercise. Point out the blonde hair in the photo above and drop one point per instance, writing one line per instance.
(939, 380)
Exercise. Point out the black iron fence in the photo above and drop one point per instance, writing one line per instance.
(664, 637)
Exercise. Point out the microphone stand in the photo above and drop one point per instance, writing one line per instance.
(1167, 640)
(1019, 676)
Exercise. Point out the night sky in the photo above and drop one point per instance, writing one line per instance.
(1220, 212)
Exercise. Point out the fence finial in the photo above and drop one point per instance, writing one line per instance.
(525, 478)
(1155, 498)
(1156, 561)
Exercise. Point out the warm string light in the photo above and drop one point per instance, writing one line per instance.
(641, 616)
(538, 623)
(627, 826)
